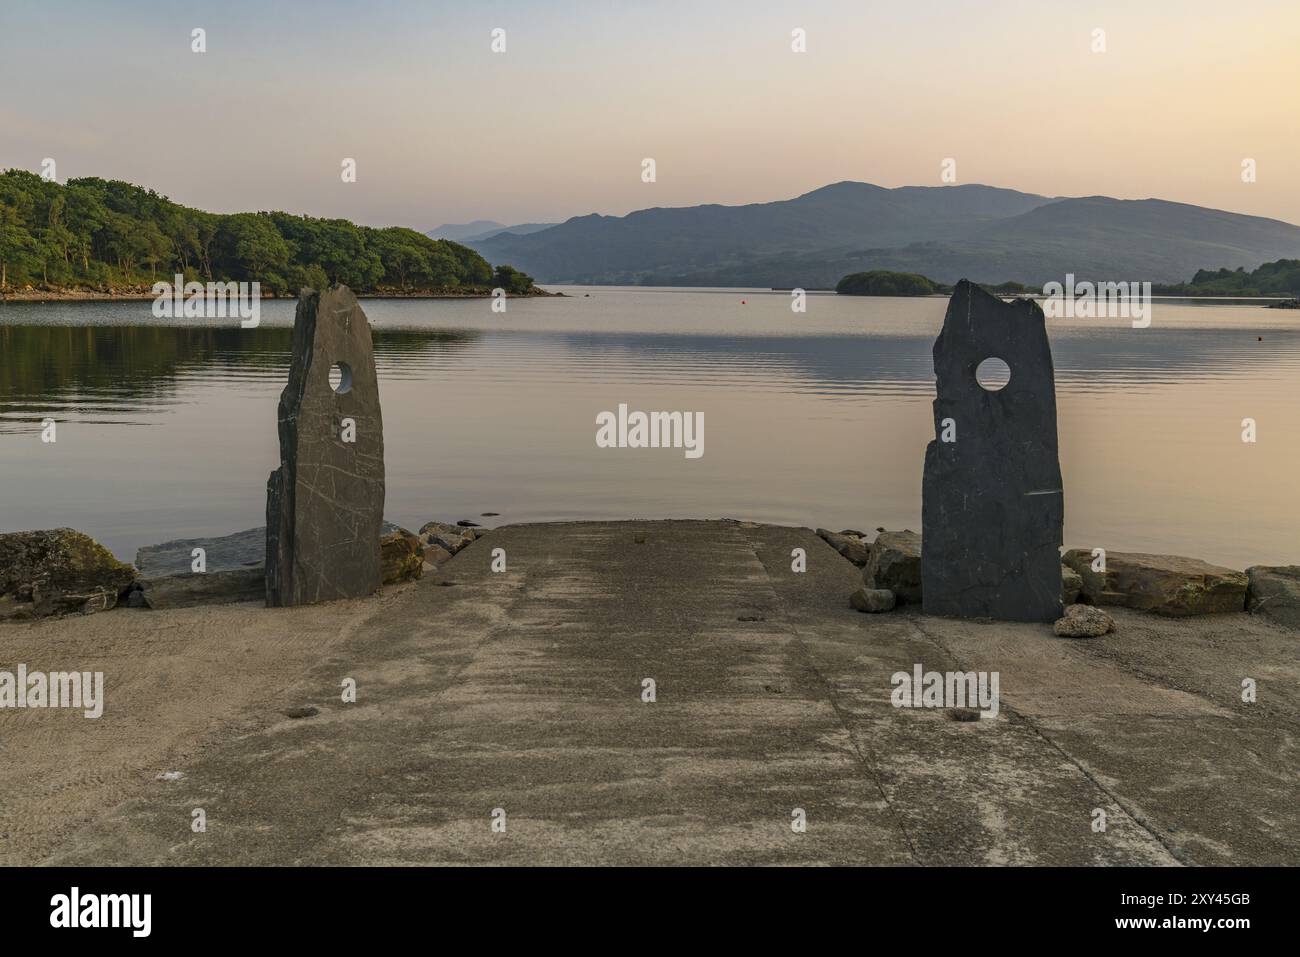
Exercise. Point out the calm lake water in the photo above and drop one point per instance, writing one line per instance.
(168, 431)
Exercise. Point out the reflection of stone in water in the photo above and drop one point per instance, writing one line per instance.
(325, 504)
(992, 504)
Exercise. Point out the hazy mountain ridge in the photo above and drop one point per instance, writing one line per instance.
(458, 231)
(481, 229)
(983, 232)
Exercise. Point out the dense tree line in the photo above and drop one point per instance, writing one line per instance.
(883, 282)
(1281, 278)
(100, 234)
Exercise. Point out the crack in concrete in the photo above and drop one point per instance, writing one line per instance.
(865, 756)
(1132, 812)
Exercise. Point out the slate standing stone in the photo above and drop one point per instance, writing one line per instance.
(992, 503)
(325, 503)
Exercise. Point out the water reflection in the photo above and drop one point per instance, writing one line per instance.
(818, 420)
(126, 374)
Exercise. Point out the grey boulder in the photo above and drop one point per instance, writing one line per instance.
(1164, 584)
(400, 554)
(1274, 590)
(436, 555)
(895, 564)
(872, 600)
(449, 537)
(1071, 585)
(854, 549)
(58, 571)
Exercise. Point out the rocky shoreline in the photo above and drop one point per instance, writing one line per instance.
(1172, 586)
(57, 572)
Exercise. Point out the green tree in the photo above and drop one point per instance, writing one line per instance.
(16, 244)
(251, 246)
(512, 280)
(92, 231)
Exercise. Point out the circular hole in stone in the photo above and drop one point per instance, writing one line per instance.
(992, 374)
(340, 377)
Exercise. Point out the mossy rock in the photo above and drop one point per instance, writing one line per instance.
(58, 571)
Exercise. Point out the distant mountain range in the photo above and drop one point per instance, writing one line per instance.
(944, 232)
(481, 229)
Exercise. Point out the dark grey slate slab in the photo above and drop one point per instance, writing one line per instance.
(235, 570)
(325, 503)
(242, 550)
(992, 503)
(209, 588)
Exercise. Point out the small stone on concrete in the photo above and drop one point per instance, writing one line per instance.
(872, 600)
(1083, 621)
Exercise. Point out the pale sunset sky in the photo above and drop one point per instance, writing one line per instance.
(445, 130)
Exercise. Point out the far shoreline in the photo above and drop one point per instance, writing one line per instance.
(90, 295)
(538, 292)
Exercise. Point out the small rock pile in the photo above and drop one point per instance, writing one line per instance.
(891, 574)
(440, 540)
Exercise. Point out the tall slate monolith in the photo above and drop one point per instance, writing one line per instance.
(992, 503)
(325, 503)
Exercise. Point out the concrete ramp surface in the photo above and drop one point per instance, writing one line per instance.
(515, 698)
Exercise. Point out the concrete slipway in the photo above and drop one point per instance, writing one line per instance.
(522, 691)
